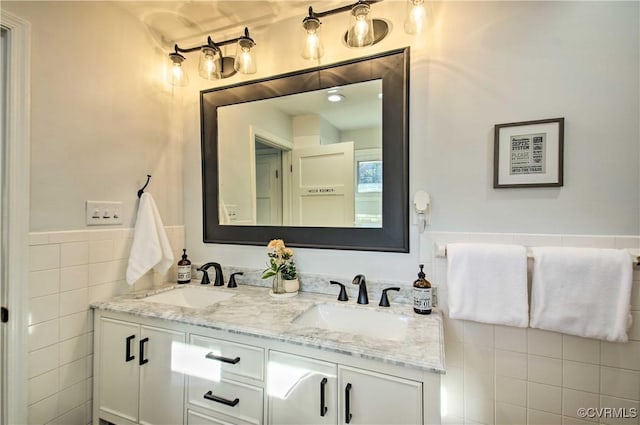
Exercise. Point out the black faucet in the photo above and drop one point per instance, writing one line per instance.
(219, 280)
(363, 298)
(384, 299)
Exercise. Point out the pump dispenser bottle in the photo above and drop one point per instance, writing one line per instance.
(184, 268)
(422, 294)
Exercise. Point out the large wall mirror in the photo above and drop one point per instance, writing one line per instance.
(317, 157)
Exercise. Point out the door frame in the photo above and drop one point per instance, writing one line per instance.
(18, 138)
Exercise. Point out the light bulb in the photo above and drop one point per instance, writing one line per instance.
(177, 75)
(245, 62)
(360, 32)
(312, 48)
(416, 17)
(207, 68)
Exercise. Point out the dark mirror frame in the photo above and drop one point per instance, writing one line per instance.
(393, 68)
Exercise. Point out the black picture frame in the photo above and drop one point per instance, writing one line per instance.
(529, 154)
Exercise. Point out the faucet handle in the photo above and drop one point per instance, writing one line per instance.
(343, 292)
(384, 300)
(232, 280)
(205, 277)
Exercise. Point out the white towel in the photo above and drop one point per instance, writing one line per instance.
(150, 247)
(488, 283)
(582, 291)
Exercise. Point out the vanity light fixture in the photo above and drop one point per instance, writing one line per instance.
(213, 65)
(416, 17)
(363, 31)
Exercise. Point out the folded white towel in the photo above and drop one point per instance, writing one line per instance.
(582, 291)
(488, 283)
(150, 247)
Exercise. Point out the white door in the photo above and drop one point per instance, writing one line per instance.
(269, 189)
(119, 369)
(301, 390)
(161, 388)
(373, 398)
(322, 187)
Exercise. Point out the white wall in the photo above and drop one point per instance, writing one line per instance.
(481, 64)
(101, 114)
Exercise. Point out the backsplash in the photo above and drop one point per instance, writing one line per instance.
(507, 375)
(68, 271)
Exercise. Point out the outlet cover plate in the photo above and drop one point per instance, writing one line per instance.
(103, 213)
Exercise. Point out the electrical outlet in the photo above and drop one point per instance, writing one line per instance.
(101, 213)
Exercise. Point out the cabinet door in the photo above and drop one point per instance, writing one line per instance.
(301, 390)
(119, 370)
(373, 398)
(161, 388)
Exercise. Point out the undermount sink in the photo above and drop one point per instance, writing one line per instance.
(354, 320)
(190, 297)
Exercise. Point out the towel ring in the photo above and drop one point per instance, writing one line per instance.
(141, 191)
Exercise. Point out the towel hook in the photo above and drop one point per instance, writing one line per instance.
(141, 191)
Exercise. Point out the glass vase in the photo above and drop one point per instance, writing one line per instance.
(278, 284)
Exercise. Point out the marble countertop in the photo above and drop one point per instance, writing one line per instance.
(253, 312)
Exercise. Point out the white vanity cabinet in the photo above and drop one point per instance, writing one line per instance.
(135, 382)
(307, 391)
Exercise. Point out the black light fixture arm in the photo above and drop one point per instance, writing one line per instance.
(341, 9)
(214, 45)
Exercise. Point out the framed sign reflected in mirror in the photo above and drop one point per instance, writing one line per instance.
(317, 157)
(529, 154)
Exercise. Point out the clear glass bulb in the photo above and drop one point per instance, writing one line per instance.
(207, 67)
(416, 17)
(360, 32)
(312, 48)
(176, 76)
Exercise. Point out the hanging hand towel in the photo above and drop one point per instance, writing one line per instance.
(150, 247)
(488, 283)
(582, 291)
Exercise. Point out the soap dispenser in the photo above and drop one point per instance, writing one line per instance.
(422, 294)
(184, 268)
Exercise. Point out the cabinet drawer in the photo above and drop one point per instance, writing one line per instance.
(195, 418)
(230, 398)
(232, 358)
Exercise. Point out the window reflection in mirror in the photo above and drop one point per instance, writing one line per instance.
(303, 160)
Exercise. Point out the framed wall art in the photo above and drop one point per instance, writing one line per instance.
(528, 154)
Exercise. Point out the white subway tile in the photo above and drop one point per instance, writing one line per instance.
(101, 251)
(102, 273)
(620, 383)
(75, 277)
(43, 386)
(89, 349)
(626, 356)
(69, 236)
(122, 248)
(72, 397)
(74, 254)
(42, 309)
(72, 373)
(580, 349)
(545, 397)
(623, 242)
(103, 291)
(573, 400)
(43, 334)
(44, 257)
(76, 416)
(453, 329)
(507, 414)
(74, 301)
(619, 411)
(44, 282)
(537, 240)
(480, 359)
(43, 360)
(44, 411)
(454, 353)
(545, 370)
(120, 270)
(511, 338)
(478, 396)
(100, 235)
(74, 325)
(544, 343)
(567, 420)
(634, 331)
(537, 417)
(511, 364)
(512, 391)
(453, 387)
(89, 366)
(480, 334)
(73, 349)
(581, 376)
(635, 295)
(38, 238)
